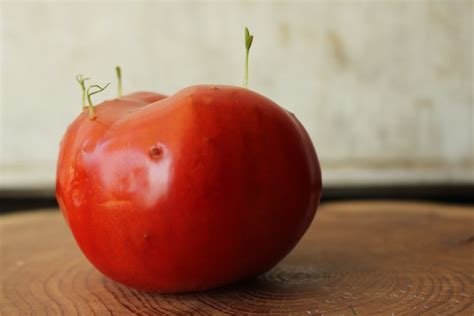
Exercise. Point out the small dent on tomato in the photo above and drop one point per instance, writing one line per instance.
(156, 152)
(146, 236)
(77, 196)
(88, 147)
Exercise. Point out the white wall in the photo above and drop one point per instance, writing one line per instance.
(385, 88)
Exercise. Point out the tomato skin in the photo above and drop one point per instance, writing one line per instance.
(209, 186)
(145, 96)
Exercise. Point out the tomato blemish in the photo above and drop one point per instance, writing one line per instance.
(156, 152)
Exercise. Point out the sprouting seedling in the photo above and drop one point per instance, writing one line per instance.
(82, 82)
(248, 44)
(98, 88)
(118, 72)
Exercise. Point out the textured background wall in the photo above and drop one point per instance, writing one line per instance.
(385, 88)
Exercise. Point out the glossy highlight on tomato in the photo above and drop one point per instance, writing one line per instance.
(209, 186)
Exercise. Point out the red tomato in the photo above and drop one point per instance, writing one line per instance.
(209, 186)
(147, 97)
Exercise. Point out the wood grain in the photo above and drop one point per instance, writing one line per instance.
(358, 258)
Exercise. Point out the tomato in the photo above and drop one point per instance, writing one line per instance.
(209, 186)
(144, 96)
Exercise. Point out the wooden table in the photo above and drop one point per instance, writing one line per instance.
(358, 258)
